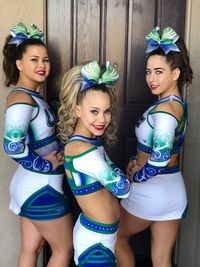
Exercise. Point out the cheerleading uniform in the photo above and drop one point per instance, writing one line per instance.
(158, 191)
(36, 188)
(90, 172)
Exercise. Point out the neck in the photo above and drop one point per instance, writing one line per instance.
(172, 91)
(31, 85)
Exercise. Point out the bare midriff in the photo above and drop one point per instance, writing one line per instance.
(100, 206)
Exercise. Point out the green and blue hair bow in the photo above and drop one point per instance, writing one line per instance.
(92, 76)
(20, 34)
(166, 42)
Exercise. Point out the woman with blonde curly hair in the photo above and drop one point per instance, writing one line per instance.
(86, 116)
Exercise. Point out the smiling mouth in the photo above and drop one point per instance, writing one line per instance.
(153, 87)
(99, 127)
(41, 73)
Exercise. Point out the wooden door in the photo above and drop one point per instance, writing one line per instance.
(80, 30)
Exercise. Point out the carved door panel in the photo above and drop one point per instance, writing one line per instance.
(80, 30)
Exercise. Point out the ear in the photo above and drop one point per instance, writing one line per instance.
(176, 74)
(77, 111)
(18, 64)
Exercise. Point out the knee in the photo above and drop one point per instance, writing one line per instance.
(32, 248)
(122, 242)
(161, 258)
(62, 251)
(122, 238)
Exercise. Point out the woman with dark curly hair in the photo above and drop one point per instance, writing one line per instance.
(158, 197)
(36, 187)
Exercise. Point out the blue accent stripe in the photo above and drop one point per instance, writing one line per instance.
(149, 150)
(170, 97)
(31, 134)
(37, 94)
(43, 142)
(97, 256)
(45, 204)
(86, 189)
(93, 141)
(168, 170)
(98, 227)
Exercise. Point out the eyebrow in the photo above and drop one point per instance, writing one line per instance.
(159, 68)
(99, 108)
(38, 56)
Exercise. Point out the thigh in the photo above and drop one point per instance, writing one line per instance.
(163, 236)
(57, 232)
(31, 238)
(130, 224)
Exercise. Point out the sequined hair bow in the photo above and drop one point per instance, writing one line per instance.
(166, 42)
(20, 34)
(91, 75)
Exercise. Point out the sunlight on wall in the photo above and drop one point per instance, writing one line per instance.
(12, 12)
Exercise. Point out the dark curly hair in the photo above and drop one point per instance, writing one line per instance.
(11, 53)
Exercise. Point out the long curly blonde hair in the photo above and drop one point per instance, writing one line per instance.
(70, 96)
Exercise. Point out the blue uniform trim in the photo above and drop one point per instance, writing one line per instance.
(27, 91)
(86, 189)
(45, 204)
(41, 143)
(97, 256)
(32, 162)
(148, 171)
(98, 227)
(93, 141)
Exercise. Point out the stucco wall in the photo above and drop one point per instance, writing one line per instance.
(189, 243)
(12, 12)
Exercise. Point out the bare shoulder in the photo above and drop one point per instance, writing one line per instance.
(77, 147)
(173, 107)
(19, 97)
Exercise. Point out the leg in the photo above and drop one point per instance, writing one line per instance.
(129, 225)
(31, 243)
(58, 233)
(163, 236)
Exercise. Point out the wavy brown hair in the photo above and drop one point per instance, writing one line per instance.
(70, 96)
(11, 53)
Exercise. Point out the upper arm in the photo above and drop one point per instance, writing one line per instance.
(17, 97)
(164, 125)
(20, 110)
(77, 147)
(174, 108)
(95, 165)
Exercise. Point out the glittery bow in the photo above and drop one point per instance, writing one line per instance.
(91, 74)
(166, 42)
(20, 34)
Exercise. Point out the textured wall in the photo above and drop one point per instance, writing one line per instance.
(11, 12)
(189, 243)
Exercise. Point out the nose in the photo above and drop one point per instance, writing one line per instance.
(102, 118)
(151, 77)
(41, 64)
